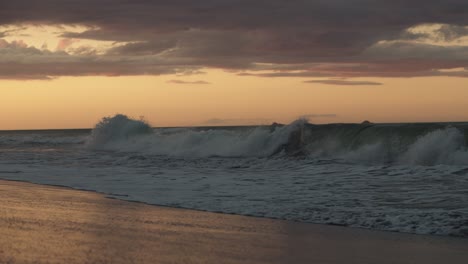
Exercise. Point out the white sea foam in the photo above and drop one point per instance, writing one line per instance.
(355, 175)
(445, 146)
(120, 133)
(124, 134)
(116, 129)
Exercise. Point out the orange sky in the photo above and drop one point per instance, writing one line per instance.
(79, 102)
(222, 97)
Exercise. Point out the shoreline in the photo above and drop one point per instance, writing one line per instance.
(59, 224)
(116, 197)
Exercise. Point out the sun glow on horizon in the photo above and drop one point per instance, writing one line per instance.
(78, 97)
(226, 99)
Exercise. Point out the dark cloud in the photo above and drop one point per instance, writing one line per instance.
(19, 61)
(143, 48)
(343, 82)
(451, 32)
(286, 73)
(42, 71)
(342, 37)
(187, 82)
(392, 67)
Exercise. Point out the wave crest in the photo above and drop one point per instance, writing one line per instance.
(443, 146)
(124, 134)
(117, 128)
(411, 144)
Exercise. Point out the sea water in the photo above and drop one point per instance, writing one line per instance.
(396, 177)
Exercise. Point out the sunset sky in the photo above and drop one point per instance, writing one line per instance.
(66, 64)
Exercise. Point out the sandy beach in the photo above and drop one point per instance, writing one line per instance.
(46, 224)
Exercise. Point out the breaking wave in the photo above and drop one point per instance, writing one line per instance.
(439, 146)
(117, 129)
(367, 143)
(125, 134)
(379, 176)
(445, 146)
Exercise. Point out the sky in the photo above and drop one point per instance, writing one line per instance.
(66, 64)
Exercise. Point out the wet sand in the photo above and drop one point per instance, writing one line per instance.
(45, 224)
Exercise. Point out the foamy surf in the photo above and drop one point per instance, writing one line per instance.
(412, 144)
(397, 177)
(124, 134)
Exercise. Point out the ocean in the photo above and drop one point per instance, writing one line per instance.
(397, 177)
